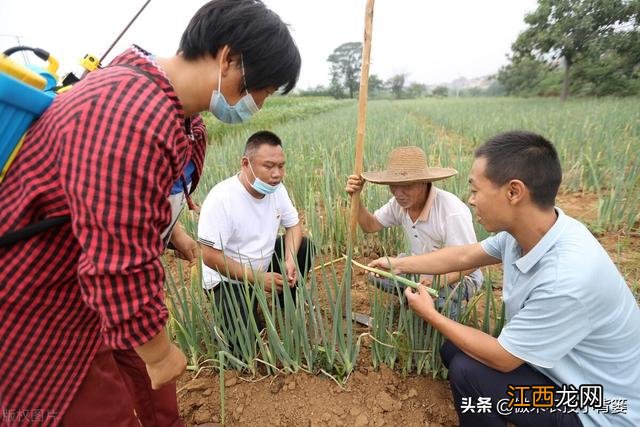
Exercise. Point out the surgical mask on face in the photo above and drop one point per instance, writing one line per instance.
(260, 186)
(240, 112)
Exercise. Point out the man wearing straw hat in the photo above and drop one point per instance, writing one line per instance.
(431, 217)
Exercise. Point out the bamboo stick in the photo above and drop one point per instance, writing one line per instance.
(362, 115)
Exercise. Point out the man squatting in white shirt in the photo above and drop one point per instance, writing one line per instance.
(239, 227)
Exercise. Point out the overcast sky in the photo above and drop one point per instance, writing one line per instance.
(432, 41)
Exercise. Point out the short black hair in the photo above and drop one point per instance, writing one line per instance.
(528, 157)
(258, 139)
(269, 53)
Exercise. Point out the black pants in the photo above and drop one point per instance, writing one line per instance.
(225, 293)
(471, 379)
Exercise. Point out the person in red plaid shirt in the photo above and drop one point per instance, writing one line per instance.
(82, 313)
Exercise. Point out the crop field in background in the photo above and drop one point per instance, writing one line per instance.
(598, 141)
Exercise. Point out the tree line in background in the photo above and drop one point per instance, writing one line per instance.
(578, 47)
(345, 63)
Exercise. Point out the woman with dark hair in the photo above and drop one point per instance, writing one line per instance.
(82, 310)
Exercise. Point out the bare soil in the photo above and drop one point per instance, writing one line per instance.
(369, 397)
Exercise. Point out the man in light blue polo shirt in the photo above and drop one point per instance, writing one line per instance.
(569, 353)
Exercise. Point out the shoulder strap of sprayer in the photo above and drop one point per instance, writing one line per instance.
(12, 237)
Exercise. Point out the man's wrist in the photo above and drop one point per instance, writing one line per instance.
(398, 266)
(248, 273)
(430, 316)
(254, 276)
(156, 349)
(454, 277)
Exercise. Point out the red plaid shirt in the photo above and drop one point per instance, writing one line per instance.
(106, 153)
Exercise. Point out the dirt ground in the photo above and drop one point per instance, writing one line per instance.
(369, 397)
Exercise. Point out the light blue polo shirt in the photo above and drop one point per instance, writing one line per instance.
(570, 315)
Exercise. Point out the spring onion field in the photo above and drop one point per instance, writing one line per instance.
(598, 141)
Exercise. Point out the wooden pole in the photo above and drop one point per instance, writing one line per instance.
(362, 121)
(362, 115)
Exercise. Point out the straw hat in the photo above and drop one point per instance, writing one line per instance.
(405, 165)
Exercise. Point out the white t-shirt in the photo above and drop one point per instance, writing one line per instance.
(444, 221)
(243, 227)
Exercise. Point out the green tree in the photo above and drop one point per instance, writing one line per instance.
(611, 66)
(524, 75)
(336, 88)
(376, 85)
(567, 28)
(495, 89)
(346, 61)
(441, 91)
(396, 85)
(319, 90)
(416, 90)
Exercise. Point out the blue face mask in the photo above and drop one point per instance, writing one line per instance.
(260, 186)
(241, 112)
